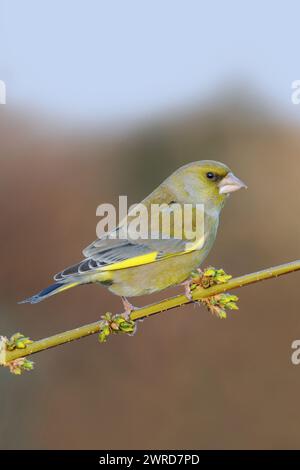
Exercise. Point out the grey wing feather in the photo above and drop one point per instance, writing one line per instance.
(112, 249)
(106, 251)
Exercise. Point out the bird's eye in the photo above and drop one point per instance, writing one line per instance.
(210, 175)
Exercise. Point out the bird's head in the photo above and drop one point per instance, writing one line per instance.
(207, 181)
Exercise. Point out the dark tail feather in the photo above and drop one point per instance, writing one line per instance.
(50, 290)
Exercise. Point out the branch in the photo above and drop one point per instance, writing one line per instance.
(21, 347)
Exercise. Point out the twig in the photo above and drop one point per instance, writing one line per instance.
(198, 294)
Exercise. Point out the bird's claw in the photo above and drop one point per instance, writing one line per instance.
(187, 289)
(128, 308)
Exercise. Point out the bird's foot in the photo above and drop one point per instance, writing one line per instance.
(128, 308)
(187, 289)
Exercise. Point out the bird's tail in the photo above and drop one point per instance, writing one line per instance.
(50, 290)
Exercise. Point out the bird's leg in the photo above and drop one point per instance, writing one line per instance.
(128, 307)
(187, 289)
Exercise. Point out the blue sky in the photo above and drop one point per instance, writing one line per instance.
(106, 60)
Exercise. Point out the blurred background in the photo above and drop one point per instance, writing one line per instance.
(108, 98)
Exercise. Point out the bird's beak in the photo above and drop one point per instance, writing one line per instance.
(230, 183)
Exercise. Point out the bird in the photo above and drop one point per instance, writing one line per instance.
(130, 266)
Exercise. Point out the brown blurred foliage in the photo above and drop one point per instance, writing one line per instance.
(186, 379)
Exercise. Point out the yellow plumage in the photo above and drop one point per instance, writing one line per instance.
(133, 267)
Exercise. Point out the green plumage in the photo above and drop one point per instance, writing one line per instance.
(135, 267)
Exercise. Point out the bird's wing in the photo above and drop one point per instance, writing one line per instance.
(111, 253)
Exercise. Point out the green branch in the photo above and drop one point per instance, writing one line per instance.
(13, 352)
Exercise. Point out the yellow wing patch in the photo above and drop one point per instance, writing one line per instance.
(131, 262)
(150, 258)
(67, 286)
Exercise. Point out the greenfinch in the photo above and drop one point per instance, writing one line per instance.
(131, 266)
